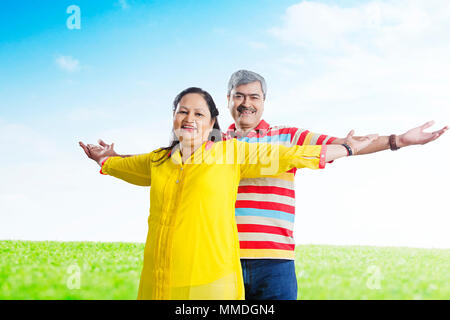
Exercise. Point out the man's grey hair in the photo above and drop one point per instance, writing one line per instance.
(243, 77)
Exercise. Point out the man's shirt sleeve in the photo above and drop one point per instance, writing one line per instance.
(303, 137)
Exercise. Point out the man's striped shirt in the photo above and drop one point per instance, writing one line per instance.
(265, 207)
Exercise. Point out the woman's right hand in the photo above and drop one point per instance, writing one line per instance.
(98, 153)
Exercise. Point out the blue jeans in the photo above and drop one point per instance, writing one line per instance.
(269, 279)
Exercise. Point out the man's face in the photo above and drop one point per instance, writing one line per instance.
(246, 104)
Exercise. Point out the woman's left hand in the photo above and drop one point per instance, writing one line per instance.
(359, 143)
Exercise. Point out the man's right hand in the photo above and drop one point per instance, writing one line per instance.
(99, 153)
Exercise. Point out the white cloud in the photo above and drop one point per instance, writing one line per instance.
(123, 4)
(377, 25)
(379, 67)
(376, 56)
(68, 63)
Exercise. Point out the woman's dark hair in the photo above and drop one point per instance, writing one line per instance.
(213, 136)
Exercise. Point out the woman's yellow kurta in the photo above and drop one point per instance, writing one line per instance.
(192, 247)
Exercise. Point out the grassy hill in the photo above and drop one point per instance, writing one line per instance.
(95, 270)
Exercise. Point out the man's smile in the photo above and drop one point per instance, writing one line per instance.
(243, 111)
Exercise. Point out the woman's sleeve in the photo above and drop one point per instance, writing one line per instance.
(266, 159)
(135, 169)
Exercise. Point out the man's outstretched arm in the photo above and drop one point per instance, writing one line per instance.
(409, 138)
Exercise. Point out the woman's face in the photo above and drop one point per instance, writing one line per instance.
(192, 120)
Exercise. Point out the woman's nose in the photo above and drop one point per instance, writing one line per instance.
(189, 117)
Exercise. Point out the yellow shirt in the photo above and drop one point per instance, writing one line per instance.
(192, 247)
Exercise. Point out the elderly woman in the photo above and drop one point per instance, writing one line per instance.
(192, 247)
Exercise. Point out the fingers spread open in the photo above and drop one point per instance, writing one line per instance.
(427, 125)
(443, 130)
(86, 150)
(350, 134)
(102, 143)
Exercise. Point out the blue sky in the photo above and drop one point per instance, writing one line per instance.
(117, 46)
(169, 39)
(374, 66)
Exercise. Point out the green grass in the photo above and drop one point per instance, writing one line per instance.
(48, 270)
(354, 272)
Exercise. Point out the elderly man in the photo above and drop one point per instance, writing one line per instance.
(265, 207)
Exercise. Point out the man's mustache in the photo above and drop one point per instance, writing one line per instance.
(241, 108)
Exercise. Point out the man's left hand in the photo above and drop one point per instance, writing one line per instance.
(418, 136)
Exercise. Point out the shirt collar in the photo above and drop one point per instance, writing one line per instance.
(208, 145)
(262, 126)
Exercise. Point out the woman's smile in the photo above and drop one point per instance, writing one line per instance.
(189, 127)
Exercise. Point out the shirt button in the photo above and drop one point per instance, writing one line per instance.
(181, 168)
(177, 181)
(322, 155)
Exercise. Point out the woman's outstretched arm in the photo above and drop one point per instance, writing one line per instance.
(134, 169)
(355, 145)
(265, 159)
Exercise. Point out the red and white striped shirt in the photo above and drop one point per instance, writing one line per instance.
(265, 207)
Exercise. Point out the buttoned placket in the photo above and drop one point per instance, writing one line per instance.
(179, 175)
(163, 232)
(168, 218)
(168, 221)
